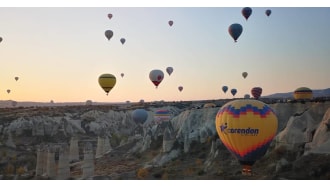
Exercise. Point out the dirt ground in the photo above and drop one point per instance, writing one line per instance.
(118, 165)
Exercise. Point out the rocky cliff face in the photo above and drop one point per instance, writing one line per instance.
(300, 123)
(303, 128)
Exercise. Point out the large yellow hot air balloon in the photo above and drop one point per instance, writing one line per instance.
(246, 127)
(303, 93)
(107, 82)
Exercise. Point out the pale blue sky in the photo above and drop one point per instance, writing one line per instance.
(58, 53)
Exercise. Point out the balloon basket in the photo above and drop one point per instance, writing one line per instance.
(246, 170)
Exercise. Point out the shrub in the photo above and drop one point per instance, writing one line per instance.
(165, 176)
(4, 154)
(199, 162)
(9, 169)
(20, 170)
(142, 173)
(189, 171)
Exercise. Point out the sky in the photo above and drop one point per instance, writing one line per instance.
(59, 52)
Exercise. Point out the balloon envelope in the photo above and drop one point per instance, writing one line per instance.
(233, 91)
(156, 76)
(246, 12)
(302, 93)
(107, 82)
(0, 39)
(109, 16)
(89, 102)
(244, 74)
(14, 103)
(224, 89)
(180, 88)
(108, 34)
(139, 116)
(16, 78)
(246, 127)
(162, 115)
(247, 96)
(170, 23)
(122, 40)
(268, 12)
(256, 92)
(8, 91)
(209, 105)
(235, 30)
(122, 74)
(169, 70)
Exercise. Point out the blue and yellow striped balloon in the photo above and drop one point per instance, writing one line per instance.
(162, 115)
(246, 127)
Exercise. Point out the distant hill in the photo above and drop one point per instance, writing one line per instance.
(316, 93)
(9, 103)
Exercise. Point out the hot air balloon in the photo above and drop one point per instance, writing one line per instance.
(169, 70)
(303, 93)
(8, 91)
(108, 34)
(244, 74)
(156, 76)
(180, 88)
(256, 92)
(235, 30)
(170, 22)
(122, 74)
(139, 116)
(246, 12)
(162, 115)
(122, 40)
(107, 82)
(89, 102)
(224, 89)
(14, 103)
(209, 105)
(246, 127)
(0, 39)
(246, 96)
(109, 16)
(16, 78)
(268, 12)
(233, 91)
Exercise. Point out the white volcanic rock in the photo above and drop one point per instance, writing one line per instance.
(161, 159)
(76, 125)
(321, 139)
(284, 111)
(10, 142)
(298, 124)
(19, 125)
(299, 129)
(189, 123)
